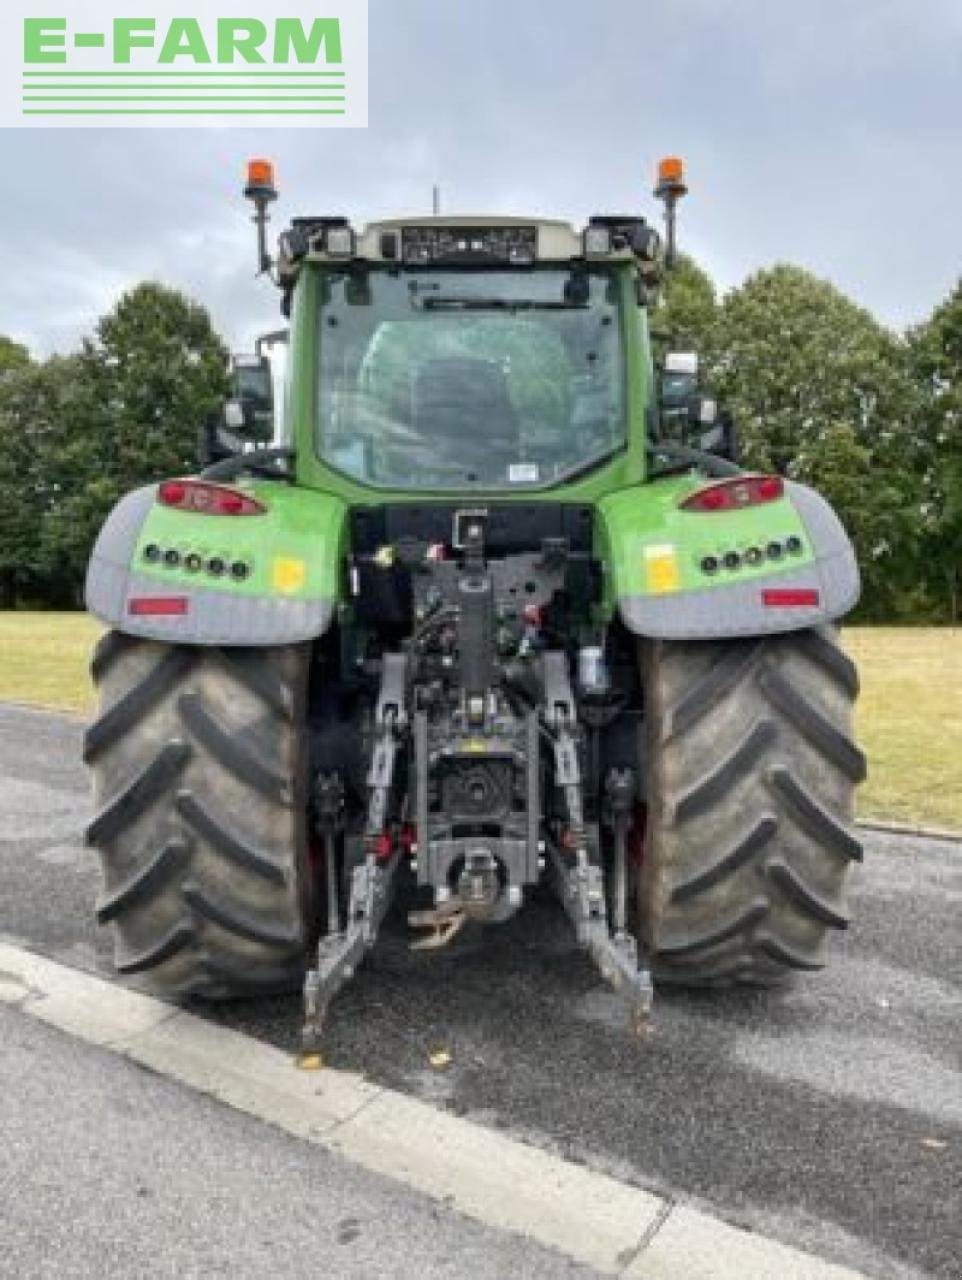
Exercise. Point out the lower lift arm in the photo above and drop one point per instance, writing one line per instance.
(339, 952)
(577, 872)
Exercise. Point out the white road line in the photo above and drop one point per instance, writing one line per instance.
(590, 1217)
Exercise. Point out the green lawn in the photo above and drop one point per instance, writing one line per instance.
(44, 659)
(909, 714)
(909, 722)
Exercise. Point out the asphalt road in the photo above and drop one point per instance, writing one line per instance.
(110, 1170)
(828, 1115)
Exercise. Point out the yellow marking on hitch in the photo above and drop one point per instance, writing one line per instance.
(310, 1062)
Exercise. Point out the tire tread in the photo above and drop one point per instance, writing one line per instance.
(199, 904)
(746, 856)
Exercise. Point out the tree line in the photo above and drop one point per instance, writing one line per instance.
(77, 432)
(819, 389)
(823, 393)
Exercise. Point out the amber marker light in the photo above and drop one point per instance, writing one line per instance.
(260, 175)
(671, 176)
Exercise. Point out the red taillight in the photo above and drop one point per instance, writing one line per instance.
(157, 606)
(739, 491)
(788, 597)
(382, 846)
(207, 499)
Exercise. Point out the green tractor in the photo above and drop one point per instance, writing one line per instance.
(492, 605)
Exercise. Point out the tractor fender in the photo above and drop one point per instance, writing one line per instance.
(661, 593)
(291, 555)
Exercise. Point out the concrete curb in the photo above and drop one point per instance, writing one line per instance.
(60, 713)
(907, 829)
(614, 1227)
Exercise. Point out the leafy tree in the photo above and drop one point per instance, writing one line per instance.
(162, 370)
(132, 404)
(821, 392)
(936, 354)
(20, 502)
(13, 356)
(687, 314)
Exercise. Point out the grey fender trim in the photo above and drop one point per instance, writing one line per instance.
(117, 539)
(737, 610)
(212, 617)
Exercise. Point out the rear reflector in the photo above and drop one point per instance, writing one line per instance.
(782, 597)
(157, 606)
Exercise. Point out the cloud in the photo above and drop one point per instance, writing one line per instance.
(823, 134)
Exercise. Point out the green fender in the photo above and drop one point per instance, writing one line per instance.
(654, 552)
(281, 577)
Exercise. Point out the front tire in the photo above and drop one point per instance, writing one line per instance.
(199, 766)
(751, 776)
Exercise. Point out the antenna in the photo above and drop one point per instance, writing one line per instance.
(436, 200)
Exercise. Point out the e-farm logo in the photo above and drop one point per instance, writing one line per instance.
(96, 63)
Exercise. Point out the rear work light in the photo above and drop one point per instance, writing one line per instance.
(733, 494)
(157, 606)
(789, 597)
(207, 499)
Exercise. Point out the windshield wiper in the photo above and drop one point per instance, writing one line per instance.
(582, 468)
(499, 304)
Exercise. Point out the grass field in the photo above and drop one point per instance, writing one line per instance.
(910, 722)
(909, 714)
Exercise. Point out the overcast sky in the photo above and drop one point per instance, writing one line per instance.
(827, 133)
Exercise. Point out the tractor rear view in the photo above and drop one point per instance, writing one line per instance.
(497, 607)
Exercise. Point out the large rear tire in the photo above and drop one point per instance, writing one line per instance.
(751, 774)
(198, 758)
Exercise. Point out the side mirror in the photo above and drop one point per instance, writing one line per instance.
(702, 411)
(720, 439)
(226, 433)
(243, 421)
(249, 413)
(247, 417)
(690, 416)
(679, 380)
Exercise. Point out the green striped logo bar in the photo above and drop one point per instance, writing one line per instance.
(89, 64)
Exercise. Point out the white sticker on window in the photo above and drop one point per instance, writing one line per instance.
(523, 473)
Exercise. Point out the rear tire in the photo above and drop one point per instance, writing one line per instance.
(199, 766)
(751, 777)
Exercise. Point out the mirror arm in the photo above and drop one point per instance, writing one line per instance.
(684, 455)
(260, 462)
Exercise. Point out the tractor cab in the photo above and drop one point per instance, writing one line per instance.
(467, 354)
